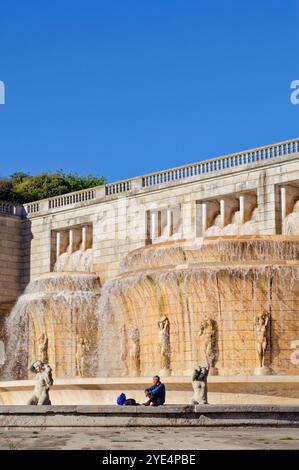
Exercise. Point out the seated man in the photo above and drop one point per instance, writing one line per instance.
(155, 393)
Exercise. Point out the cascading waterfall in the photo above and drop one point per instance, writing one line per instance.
(61, 306)
(226, 250)
(215, 229)
(291, 222)
(78, 261)
(235, 227)
(229, 281)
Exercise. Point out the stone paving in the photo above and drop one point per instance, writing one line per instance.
(151, 438)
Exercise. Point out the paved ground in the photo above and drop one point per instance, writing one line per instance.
(152, 438)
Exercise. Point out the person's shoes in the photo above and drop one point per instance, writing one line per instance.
(146, 404)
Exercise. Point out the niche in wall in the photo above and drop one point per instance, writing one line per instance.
(71, 248)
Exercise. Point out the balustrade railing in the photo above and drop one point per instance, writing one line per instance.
(222, 163)
(211, 166)
(10, 208)
(117, 188)
(73, 198)
(32, 207)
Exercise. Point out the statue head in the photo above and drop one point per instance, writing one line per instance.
(163, 319)
(262, 318)
(36, 366)
(200, 373)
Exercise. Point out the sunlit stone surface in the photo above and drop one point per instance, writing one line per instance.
(157, 274)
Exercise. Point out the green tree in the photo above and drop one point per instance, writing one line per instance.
(76, 182)
(6, 189)
(32, 188)
(21, 187)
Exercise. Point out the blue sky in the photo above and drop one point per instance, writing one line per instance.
(121, 87)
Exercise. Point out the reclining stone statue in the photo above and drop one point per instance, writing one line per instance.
(44, 381)
(199, 384)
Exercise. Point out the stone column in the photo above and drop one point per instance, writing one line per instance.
(62, 241)
(153, 225)
(71, 240)
(58, 241)
(75, 239)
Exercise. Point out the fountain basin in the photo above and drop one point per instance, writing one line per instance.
(268, 390)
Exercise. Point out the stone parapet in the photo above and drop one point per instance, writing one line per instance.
(167, 415)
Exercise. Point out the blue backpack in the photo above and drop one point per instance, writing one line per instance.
(121, 399)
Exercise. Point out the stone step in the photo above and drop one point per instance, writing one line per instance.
(167, 415)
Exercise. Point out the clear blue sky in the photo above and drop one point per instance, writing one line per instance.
(121, 87)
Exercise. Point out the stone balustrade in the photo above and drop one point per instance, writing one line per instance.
(213, 167)
(9, 208)
(233, 161)
(62, 201)
(32, 208)
(117, 188)
(73, 198)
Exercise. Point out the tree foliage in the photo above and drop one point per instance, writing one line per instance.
(21, 187)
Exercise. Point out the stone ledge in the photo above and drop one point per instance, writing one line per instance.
(165, 409)
(167, 415)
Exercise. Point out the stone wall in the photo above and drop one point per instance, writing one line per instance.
(175, 204)
(10, 259)
(124, 221)
(15, 236)
(253, 194)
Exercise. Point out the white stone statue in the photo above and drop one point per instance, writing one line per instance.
(42, 347)
(208, 334)
(44, 381)
(82, 347)
(199, 384)
(164, 344)
(261, 324)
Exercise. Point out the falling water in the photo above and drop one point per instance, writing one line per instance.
(251, 226)
(227, 251)
(235, 227)
(291, 222)
(230, 281)
(215, 229)
(62, 306)
(78, 261)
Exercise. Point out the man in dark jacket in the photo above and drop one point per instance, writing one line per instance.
(155, 393)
